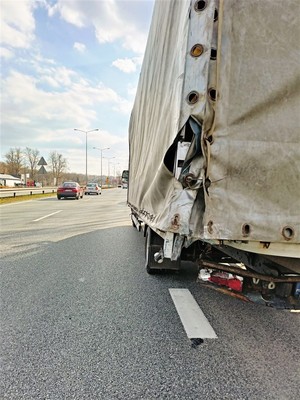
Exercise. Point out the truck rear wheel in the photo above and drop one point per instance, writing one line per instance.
(154, 243)
(150, 250)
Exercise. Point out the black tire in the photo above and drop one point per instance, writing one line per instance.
(148, 263)
(58, 197)
(133, 224)
(153, 244)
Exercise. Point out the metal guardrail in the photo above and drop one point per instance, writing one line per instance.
(29, 191)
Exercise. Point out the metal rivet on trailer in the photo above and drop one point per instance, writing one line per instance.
(193, 97)
(288, 232)
(212, 94)
(200, 5)
(246, 229)
(197, 50)
(213, 54)
(271, 286)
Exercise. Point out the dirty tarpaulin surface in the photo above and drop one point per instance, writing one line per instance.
(244, 91)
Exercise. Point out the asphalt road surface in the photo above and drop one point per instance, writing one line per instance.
(81, 319)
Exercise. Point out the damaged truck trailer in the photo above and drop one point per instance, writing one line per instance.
(214, 165)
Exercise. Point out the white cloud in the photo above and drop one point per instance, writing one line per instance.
(69, 12)
(38, 59)
(123, 106)
(113, 20)
(113, 27)
(135, 41)
(42, 99)
(45, 119)
(125, 65)
(17, 23)
(74, 102)
(79, 47)
(6, 53)
(63, 76)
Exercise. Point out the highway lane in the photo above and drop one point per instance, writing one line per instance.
(81, 319)
(27, 225)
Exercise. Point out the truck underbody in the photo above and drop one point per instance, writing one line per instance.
(268, 280)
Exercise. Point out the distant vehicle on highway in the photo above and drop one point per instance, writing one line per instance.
(125, 178)
(92, 188)
(70, 190)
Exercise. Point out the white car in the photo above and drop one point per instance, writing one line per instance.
(92, 188)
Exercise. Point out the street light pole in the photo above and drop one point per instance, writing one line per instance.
(86, 132)
(116, 173)
(105, 148)
(109, 158)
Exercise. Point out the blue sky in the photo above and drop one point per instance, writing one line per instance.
(69, 64)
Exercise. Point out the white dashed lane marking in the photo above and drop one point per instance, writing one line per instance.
(193, 319)
(46, 216)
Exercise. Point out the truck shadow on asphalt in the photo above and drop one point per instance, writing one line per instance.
(188, 272)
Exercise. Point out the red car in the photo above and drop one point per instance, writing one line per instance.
(70, 190)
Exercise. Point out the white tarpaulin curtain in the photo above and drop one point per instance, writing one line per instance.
(247, 85)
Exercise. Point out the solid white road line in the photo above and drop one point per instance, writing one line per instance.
(46, 216)
(193, 320)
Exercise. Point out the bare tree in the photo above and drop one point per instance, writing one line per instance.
(32, 158)
(3, 168)
(14, 161)
(58, 164)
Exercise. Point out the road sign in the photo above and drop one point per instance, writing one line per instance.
(42, 162)
(42, 170)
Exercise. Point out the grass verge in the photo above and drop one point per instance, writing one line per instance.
(17, 199)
